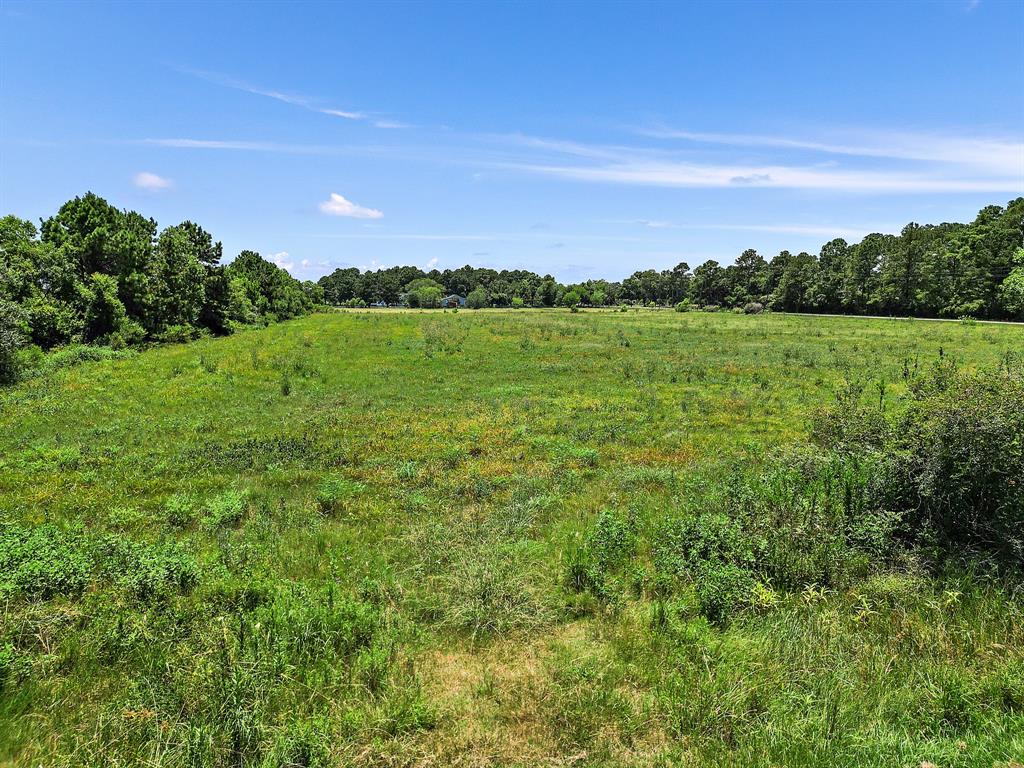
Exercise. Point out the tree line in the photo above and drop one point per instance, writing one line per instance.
(95, 274)
(943, 270)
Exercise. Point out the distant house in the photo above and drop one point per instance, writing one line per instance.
(453, 301)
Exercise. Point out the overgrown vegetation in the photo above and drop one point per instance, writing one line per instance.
(515, 538)
(98, 275)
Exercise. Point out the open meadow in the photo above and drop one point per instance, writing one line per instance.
(469, 538)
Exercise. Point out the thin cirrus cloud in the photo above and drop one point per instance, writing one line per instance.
(243, 146)
(994, 154)
(297, 100)
(337, 205)
(925, 164)
(814, 230)
(869, 163)
(151, 181)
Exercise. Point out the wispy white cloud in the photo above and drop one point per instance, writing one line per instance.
(815, 230)
(490, 237)
(298, 100)
(288, 98)
(242, 145)
(151, 182)
(336, 205)
(994, 154)
(645, 167)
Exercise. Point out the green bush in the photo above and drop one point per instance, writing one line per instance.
(225, 510)
(42, 561)
(950, 463)
(178, 334)
(179, 510)
(147, 571)
(954, 465)
(803, 520)
(76, 354)
(12, 337)
(607, 549)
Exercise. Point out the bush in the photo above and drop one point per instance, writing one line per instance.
(753, 308)
(951, 464)
(12, 336)
(76, 354)
(179, 334)
(147, 571)
(42, 561)
(805, 519)
(225, 510)
(477, 299)
(955, 462)
(684, 306)
(608, 547)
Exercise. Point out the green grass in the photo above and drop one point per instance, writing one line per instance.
(372, 538)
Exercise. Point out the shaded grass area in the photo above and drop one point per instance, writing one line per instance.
(431, 538)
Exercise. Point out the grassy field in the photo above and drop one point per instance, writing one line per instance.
(358, 539)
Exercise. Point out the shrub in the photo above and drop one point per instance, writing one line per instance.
(147, 571)
(12, 336)
(477, 299)
(224, 510)
(684, 306)
(608, 546)
(950, 464)
(955, 462)
(76, 354)
(42, 561)
(805, 519)
(178, 334)
(753, 308)
(179, 510)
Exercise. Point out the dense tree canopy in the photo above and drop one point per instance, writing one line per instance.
(944, 270)
(94, 273)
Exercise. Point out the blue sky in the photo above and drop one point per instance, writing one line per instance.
(584, 140)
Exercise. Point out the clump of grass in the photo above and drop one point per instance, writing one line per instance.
(477, 577)
(225, 510)
(334, 492)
